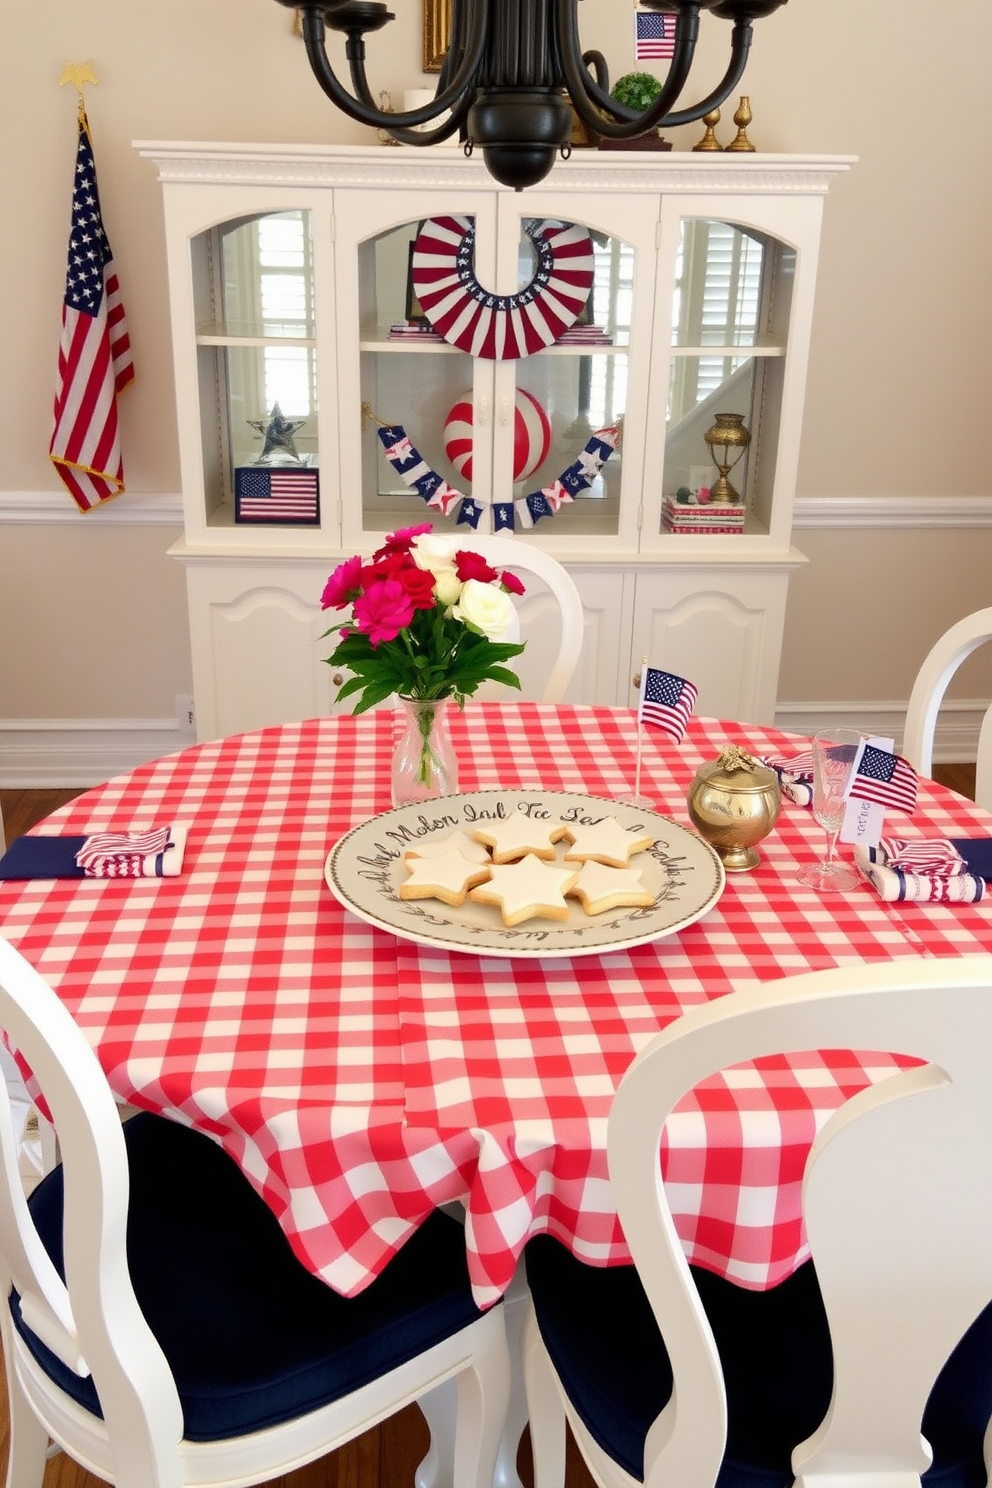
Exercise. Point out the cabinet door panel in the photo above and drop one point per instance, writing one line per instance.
(603, 673)
(723, 631)
(257, 657)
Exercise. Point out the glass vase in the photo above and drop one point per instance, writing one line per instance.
(424, 761)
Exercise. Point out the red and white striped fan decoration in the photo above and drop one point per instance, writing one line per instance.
(531, 436)
(501, 327)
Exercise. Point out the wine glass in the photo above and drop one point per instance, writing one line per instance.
(834, 753)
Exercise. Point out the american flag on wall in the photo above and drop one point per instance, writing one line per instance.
(666, 701)
(291, 497)
(654, 34)
(94, 351)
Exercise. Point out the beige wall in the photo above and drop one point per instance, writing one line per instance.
(93, 614)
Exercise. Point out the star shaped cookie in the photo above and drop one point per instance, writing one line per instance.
(517, 835)
(448, 878)
(527, 890)
(454, 842)
(601, 888)
(605, 841)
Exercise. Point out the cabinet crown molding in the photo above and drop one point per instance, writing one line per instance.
(441, 165)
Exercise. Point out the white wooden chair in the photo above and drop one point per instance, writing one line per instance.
(927, 695)
(552, 651)
(897, 1204)
(200, 1351)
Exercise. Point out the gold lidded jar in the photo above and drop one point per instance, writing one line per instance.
(734, 802)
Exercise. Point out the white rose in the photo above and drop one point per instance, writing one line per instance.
(486, 608)
(447, 586)
(435, 554)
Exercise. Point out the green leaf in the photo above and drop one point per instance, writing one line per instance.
(375, 692)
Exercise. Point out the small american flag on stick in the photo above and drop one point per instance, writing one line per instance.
(886, 778)
(94, 350)
(666, 701)
(654, 34)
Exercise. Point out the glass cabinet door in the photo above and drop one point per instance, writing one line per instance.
(257, 371)
(482, 442)
(730, 315)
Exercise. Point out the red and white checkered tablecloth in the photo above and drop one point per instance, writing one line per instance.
(360, 1080)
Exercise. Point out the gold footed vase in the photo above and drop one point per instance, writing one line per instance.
(734, 802)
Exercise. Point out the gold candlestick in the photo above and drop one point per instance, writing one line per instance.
(709, 140)
(742, 119)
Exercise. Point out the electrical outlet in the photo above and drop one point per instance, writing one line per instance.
(186, 713)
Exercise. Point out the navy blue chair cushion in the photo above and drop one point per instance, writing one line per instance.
(253, 1338)
(774, 1347)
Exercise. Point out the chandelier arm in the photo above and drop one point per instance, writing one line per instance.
(603, 113)
(596, 63)
(741, 45)
(432, 136)
(363, 110)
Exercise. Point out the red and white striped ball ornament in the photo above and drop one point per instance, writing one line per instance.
(531, 436)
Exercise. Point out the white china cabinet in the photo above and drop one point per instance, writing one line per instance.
(302, 353)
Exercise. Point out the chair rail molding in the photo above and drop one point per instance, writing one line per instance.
(910, 512)
(140, 509)
(165, 509)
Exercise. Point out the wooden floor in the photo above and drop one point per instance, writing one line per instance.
(388, 1456)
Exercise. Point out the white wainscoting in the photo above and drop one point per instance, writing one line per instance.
(36, 754)
(40, 753)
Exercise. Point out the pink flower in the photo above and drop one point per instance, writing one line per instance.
(511, 583)
(473, 566)
(382, 611)
(401, 541)
(343, 585)
(704, 495)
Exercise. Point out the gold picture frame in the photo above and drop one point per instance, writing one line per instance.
(437, 33)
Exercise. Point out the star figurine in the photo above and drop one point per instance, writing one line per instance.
(277, 433)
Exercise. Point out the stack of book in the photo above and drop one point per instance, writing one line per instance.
(584, 335)
(412, 330)
(685, 517)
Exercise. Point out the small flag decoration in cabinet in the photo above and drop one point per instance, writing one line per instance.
(280, 496)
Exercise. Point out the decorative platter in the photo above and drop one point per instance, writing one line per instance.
(365, 868)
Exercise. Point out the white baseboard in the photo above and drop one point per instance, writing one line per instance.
(40, 754)
(955, 739)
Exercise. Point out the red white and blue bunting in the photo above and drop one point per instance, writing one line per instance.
(507, 516)
(496, 327)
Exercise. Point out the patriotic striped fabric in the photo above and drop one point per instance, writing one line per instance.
(924, 855)
(94, 351)
(798, 766)
(289, 496)
(157, 853)
(654, 35)
(666, 701)
(501, 327)
(885, 778)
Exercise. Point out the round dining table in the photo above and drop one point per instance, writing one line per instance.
(361, 1078)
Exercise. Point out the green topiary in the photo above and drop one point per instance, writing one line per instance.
(636, 89)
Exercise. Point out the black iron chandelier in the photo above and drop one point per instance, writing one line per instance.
(507, 70)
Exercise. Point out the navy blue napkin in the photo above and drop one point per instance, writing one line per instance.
(977, 853)
(42, 857)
